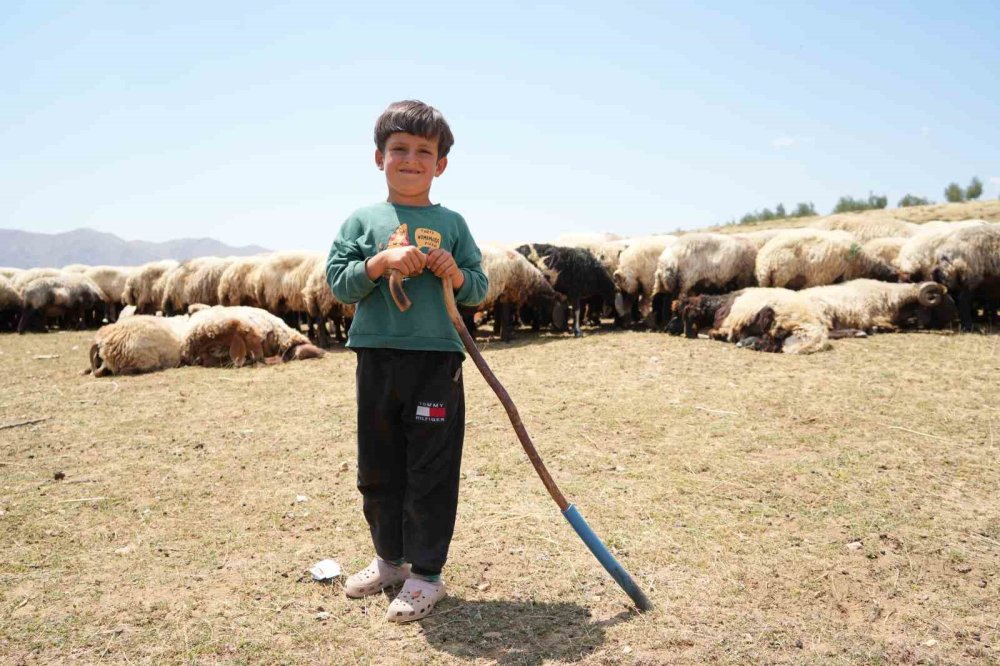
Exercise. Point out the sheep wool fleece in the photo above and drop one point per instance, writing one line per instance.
(377, 320)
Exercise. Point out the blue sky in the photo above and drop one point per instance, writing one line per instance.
(251, 122)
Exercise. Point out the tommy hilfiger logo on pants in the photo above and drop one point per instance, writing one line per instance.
(431, 411)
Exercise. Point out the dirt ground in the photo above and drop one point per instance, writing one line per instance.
(840, 508)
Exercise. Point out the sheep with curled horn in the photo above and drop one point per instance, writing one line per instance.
(144, 287)
(71, 299)
(138, 344)
(514, 282)
(968, 263)
(702, 263)
(873, 306)
(635, 276)
(801, 258)
(237, 282)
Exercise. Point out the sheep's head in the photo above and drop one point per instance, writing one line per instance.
(625, 282)
(948, 271)
(98, 366)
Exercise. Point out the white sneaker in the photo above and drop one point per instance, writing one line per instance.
(375, 577)
(416, 600)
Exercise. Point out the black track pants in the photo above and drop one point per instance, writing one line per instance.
(411, 423)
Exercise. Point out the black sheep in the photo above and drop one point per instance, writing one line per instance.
(572, 271)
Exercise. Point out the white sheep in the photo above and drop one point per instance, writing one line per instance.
(871, 305)
(635, 276)
(800, 258)
(758, 237)
(236, 283)
(136, 344)
(887, 249)
(867, 228)
(70, 297)
(513, 282)
(609, 254)
(968, 263)
(704, 263)
(765, 319)
(193, 281)
(144, 287)
(223, 335)
(111, 280)
(23, 277)
(279, 280)
(916, 256)
(322, 306)
(11, 304)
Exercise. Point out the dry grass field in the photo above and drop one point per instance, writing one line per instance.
(829, 509)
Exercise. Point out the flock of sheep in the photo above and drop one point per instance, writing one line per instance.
(787, 290)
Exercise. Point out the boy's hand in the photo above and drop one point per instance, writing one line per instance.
(407, 260)
(442, 264)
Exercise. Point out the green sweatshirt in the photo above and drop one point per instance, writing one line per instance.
(377, 321)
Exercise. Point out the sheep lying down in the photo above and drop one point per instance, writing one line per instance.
(211, 337)
(803, 322)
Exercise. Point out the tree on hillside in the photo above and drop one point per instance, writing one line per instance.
(851, 205)
(954, 193)
(974, 190)
(911, 200)
(804, 209)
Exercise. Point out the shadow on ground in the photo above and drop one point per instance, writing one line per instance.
(516, 633)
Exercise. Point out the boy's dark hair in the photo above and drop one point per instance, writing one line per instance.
(414, 117)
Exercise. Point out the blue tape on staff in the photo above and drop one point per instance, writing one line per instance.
(606, 559)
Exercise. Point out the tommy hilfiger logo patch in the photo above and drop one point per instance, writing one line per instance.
(431, 411)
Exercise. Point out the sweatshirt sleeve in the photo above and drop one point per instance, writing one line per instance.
(469, 260)
(345, 266)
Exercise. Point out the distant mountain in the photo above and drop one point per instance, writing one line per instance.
(26, 249)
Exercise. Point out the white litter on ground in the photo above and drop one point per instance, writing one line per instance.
(326, 570)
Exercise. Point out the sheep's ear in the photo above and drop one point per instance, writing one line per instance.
(255, 347)
(237, 351)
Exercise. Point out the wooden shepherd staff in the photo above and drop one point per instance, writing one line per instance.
(569, 511)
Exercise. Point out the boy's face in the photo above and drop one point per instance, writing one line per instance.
(410, 163)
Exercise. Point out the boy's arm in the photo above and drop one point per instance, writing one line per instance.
(345, 266)
(469, 260)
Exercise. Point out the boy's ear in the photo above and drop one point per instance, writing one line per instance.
(441, 166)
(379, 160)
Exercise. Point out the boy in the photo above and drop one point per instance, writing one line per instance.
(411, 402)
